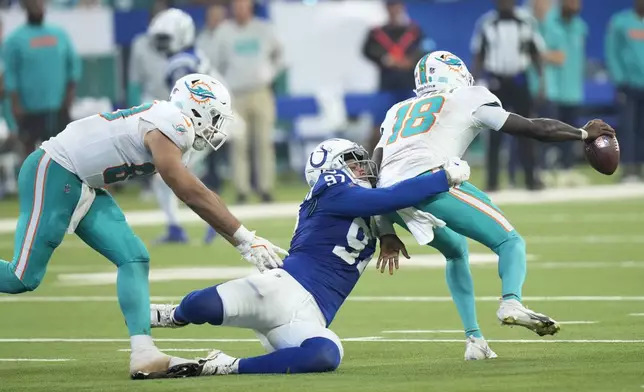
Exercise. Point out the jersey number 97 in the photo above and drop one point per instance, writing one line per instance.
(416, 117)
(358, 238)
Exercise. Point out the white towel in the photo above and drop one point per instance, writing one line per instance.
(420, 224)
(87, 197)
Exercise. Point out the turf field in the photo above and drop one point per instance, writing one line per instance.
(400, 332)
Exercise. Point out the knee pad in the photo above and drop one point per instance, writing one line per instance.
(325, 354)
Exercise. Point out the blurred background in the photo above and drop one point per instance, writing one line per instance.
(334, 68)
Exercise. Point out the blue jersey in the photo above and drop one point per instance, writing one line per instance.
(184, 63)
(333, 240)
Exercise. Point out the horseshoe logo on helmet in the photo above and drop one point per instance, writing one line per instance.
(324, 152)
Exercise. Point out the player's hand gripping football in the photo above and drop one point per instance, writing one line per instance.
(597, 128)
(457, 171)
(390, 248)
(261, 252)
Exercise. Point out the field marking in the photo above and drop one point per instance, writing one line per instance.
(289, 210)
(35, 359)
(586, 239)
(426, 331)
(496, 299)
(356, 298)
(636, 314)
(576, 322)
(211, 273)
(358, 339)
(387, 340)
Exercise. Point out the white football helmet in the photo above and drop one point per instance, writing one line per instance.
(172, 31)
(439, 71)
(341, 154)
(208, 104)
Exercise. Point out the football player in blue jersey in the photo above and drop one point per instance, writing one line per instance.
(290, 308)
(173, 33)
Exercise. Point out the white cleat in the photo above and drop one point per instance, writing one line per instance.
(512, 312)
(477, 348)
(162, 316)
(152, 363)
(217, 363)
(148, 360)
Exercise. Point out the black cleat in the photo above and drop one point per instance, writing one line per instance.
(178, 371)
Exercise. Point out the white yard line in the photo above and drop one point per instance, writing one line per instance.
(356, 298)
(387, 340)
(636, 314)
(35, 359)
(412, 331)
(289, 210)
(377, 339)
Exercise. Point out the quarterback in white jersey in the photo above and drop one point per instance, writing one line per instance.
(419, 135)
(61, 191)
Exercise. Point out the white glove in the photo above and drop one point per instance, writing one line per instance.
(258, 251)
(457, 171)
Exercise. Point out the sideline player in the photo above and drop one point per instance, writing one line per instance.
(419, 135)
(173, 34)
(60, 190)
(290, 308)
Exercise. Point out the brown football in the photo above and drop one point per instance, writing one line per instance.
(603, 154)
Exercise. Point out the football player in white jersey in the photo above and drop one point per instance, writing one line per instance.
(173, 34)
(61, 191)
(419, 135)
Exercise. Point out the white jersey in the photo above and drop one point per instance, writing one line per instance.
(423, 132)
(108, 147)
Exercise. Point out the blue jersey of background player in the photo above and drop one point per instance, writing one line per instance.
(291, 307)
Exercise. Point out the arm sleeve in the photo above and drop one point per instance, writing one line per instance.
(217, 49)
(276, 51)
(490, 116)
(613, 52)
(537, 42)
(370, 49)
(352, 200)
(12, 64)
(476, 42)
(74, 64)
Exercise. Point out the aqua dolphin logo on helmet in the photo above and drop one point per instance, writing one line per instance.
(452, 61)
(200, 93)
(446, 71)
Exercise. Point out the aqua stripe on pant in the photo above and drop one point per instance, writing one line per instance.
(469, 212)
(48, 195)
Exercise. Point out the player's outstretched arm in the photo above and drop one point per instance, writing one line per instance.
(207, 204)
(187, 187)
(551, 130)
(358, 201)
(493, 116)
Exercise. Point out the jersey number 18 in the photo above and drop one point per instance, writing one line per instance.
(416, 117)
